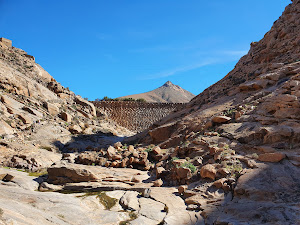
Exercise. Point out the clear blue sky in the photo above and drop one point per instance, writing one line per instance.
(114, 48)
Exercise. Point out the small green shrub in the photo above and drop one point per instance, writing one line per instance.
(149, 148)
(227, 152)
(189, 165)
(141, 100)
(132, 216)
(234, 167)
(46, 148)
(61, 216)
(38, 173)
(229, 112)
(174, 158)
(104, 199)
(185, 144)
(254, 156)
(107, 201)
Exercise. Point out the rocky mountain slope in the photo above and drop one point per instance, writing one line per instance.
(168, 92)
(38, 115)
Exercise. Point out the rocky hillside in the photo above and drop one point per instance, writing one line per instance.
(246, 124)
(37, 114)
(169, 92)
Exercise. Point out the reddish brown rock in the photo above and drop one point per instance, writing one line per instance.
(116, 157)
(219, 183)
(271, 157)
(182, 189)
(208, 171)
(214, 150)
(178, 162)
(158, 183)
(159, 171)
(156, 150)
(124, 162)
(184, 173)
(195, 200)
(66, 117)
(65, 173)
(221, 119)
(25, 119)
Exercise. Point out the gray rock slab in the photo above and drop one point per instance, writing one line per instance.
(152, 209)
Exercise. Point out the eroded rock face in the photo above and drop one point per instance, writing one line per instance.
(83, 102)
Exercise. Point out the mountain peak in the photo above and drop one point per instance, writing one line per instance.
(168, 84)
(168, 92)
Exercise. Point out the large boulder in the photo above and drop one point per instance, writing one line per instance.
(69, 173)
(271, 157)
(52, 109)
(5, 129)
(208, 171)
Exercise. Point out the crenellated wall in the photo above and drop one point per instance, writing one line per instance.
(137, 116)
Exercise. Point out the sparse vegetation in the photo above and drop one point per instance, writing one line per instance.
(149, 148)
(227, 152)
(189, 165)
(229, 112)
(234, 167)
(61, 216)
(105, 98)
(226, 147)
(132, 216)
(174, 158)
(166, 209)
(186, 144)
(46, 148)
(38, 173)
(104, 199)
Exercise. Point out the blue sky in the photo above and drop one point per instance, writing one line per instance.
(114, 48)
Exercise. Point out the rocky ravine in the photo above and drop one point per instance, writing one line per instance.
(231, 157)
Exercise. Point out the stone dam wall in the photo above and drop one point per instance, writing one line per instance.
(137, 116)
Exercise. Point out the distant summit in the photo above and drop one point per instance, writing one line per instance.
(168, 84)
(168, 92)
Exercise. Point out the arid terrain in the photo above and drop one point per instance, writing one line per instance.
(230, 156)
